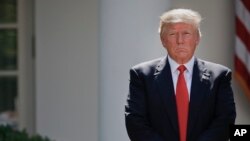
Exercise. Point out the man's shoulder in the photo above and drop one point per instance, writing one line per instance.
(148, 66)
(212, 66)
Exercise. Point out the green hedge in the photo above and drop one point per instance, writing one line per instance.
(9, 134)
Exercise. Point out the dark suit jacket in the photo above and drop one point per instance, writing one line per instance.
(151, 113)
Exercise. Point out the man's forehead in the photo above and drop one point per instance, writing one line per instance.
(180, 29)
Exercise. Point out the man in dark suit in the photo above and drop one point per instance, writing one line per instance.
(179, 97)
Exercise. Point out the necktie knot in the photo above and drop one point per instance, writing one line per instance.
(181, 68)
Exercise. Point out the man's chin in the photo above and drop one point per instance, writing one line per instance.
(183, 55)
(182, 59)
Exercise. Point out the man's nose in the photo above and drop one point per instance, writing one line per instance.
(179, 38)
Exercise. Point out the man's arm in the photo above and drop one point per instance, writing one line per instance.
(137, 123)
(225, 113)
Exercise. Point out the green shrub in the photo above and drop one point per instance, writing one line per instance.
(7, 133)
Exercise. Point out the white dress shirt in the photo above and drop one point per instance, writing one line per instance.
(188, 72)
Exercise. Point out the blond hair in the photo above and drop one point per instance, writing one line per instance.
(180, 15)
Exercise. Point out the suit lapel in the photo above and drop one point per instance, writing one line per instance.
(166, 90)
(198, 91)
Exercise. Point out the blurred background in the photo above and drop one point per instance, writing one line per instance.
(64, 64)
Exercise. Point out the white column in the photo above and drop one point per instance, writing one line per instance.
(128, 35)
(67, 69)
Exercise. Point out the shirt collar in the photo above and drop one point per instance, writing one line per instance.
(174, 65)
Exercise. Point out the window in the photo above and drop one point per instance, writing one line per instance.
(16, 64)
(8, 62)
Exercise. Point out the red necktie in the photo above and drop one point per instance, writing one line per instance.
(182, 101)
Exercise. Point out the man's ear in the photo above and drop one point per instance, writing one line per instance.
(198, 41)
(162, 39)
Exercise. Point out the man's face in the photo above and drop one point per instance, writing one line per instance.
(180, 40)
